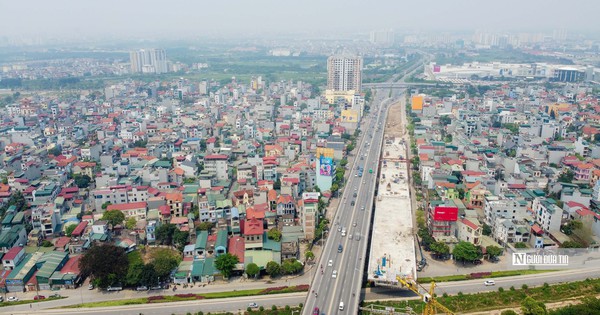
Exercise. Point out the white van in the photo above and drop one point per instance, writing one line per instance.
(341, 306)
(343, 232)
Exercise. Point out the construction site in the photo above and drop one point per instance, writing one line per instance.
(392, 243)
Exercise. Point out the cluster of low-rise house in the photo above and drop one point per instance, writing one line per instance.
(241, 156)
(520, 158)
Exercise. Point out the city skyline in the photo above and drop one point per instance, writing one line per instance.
(68, 18)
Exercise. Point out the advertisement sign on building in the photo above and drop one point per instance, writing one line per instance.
(326, 166)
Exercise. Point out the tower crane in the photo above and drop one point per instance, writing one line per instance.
(431, 304)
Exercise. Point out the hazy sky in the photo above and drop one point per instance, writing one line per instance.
(131, 18)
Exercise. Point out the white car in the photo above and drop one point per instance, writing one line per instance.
(354, 224)
(489, 283)
(334, 274)
(12, 299)
(330, 263)
(252, 305)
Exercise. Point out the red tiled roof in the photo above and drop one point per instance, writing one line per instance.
(236, 246)
(127, 206)
(216, 157)
(80, 228)
(164, 210)
(537, 229)
(72, 265)
(12, 253)
(253, 227)
(470, 224)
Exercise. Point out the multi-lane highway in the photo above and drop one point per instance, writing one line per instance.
(339, 277)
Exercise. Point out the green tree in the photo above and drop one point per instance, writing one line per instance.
(334, 188)
(486, 230)
(566, 177)
(113, 217)
(164, 261)
(148, 277)
(104, 263)
(466, 251)
(164, 233)
(309, 255)
(571, 244)
(105, 205)
(571, 226)
(520, 245)
(493, 251)
(252, 270)
(205, 226)
(69, 230)
(82, 181)
(134, 273)
(274, 234)
(508, 312)
(287, 267)
(225, 263)
(277, 184)
(445, 120)
(529, 306)
(180, 238)
(47, 243)
(273, 269)
(130, 223)
(343, 162)
(440, 248)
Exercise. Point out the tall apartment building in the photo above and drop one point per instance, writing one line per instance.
(344, 73)
(148, 61)
(383, 38)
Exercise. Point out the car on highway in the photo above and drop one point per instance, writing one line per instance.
(142, 288)
(343, 232)
(330, 263)
(354, 224)
(252, 305)
(362, 208)
(12, 299)
(316, 311)
(39, 297)
(352, 203)
(488, 283)
(334, 274)
(340, 248)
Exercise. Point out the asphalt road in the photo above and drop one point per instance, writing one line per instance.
(326, 291)
(218, 305)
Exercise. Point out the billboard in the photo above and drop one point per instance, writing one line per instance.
(445, 213)
(325, 166)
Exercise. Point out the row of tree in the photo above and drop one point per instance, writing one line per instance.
(109, 264)
(463, 251)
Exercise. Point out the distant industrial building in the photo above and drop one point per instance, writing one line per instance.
(148, 61)
(475, 70)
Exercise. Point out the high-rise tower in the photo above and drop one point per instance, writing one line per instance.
(344, 73)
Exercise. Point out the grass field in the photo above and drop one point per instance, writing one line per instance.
(505, 297)
(495, 274)
(190, 297)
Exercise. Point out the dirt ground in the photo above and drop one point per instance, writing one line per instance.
(393, 125)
